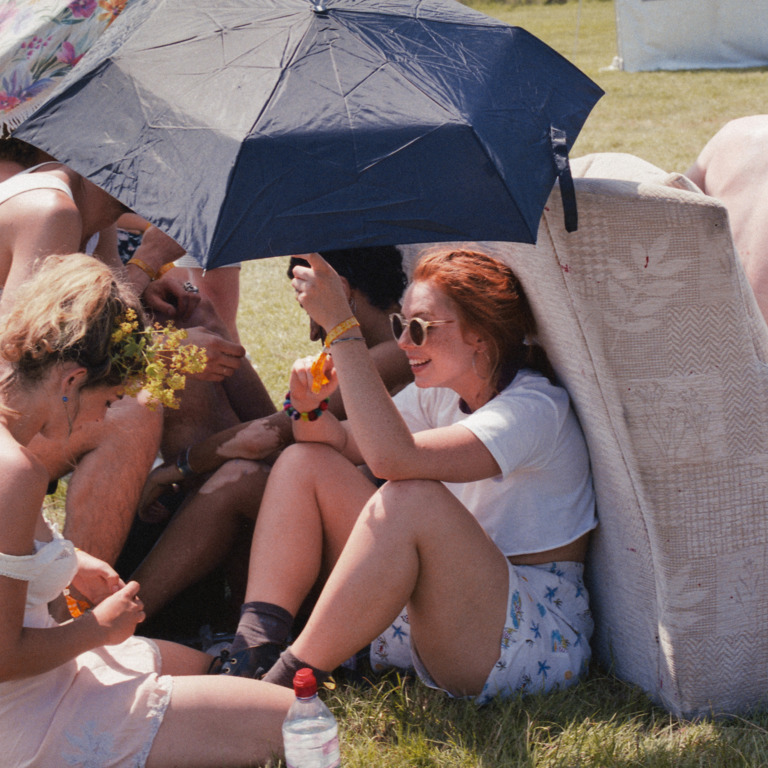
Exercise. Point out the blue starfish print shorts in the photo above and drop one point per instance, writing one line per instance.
(545, 642)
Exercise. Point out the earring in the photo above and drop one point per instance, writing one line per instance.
(65, 400)
(474, 365)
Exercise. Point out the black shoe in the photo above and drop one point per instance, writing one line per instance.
(253, 662)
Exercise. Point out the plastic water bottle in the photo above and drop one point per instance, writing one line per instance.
(310, 733)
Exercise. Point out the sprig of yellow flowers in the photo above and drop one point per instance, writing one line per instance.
(154, 359)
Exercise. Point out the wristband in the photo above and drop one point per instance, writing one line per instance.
(144, 267)
(318, 377)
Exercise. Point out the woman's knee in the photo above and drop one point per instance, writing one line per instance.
(306, 458)
(406, 491)
(402, 498)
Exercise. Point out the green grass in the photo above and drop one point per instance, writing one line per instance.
(665, 118)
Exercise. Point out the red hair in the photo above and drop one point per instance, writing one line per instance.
(491, 302)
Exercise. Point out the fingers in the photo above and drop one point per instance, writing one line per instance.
(114, 582)
(159, 305)
(131, 589)
(230, 348)
(224, 356)
(186, 304)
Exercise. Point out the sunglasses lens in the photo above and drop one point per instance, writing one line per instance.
(417, 332)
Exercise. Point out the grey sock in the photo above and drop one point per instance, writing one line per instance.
(261, 623)
(287, 666)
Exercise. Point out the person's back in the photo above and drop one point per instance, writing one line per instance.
(733, 167)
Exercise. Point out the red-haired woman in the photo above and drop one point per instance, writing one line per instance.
(482, 527)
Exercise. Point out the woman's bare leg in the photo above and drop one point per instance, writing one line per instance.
(415, 543)
(216, 721)
(310, 505)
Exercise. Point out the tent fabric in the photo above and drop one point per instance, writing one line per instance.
(691, 34)
(650, 323)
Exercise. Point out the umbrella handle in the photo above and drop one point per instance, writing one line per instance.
(563, 167)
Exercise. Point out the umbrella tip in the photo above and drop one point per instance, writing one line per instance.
(318, 6)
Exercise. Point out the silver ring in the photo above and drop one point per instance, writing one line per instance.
(189, 288)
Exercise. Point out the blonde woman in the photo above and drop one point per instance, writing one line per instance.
(85, 691)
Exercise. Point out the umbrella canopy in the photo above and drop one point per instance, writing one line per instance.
(249, 128)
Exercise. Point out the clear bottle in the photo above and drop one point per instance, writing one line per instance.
(310, 733)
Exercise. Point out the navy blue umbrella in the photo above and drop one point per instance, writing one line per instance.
(250, 128)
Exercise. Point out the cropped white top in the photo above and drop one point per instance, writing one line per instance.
(543, 497)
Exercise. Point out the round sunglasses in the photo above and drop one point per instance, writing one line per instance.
(417, 328)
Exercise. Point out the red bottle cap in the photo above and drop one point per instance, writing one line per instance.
(304, 683)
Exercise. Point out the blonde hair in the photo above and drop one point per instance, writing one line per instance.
(67, 312)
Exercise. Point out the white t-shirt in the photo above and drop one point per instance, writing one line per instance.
(543, 497)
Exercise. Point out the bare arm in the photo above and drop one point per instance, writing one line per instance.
(106, 249)
(24, 651)
(381, 436)
(393, 368)
(257, 439)
(391, 451)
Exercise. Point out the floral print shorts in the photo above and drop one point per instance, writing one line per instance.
(545, 642)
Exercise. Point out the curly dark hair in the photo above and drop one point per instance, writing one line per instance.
(376, 271)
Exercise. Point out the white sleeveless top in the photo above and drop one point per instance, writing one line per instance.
(47, 572)
(101, 708)
(25, 181)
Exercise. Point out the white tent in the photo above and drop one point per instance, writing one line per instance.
(691, 34)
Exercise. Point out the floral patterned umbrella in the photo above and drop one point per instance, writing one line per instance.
(40, 41)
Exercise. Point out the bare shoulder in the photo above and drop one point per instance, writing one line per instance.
(33, 225)
(734, 161)
(21, 495)
(40, 203)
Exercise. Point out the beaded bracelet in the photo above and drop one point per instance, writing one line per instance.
(347, 338)
(307, 415)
